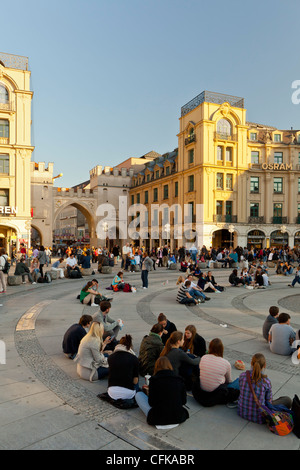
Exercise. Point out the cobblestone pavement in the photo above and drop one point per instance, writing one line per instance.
(41, 393)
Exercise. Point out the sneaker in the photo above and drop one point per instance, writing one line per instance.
(207, 298)
(232, 404)
(217, 291)
(94, 305)
(32, 283)
(290, 285)
(23, 282)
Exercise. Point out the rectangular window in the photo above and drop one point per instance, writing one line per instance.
(132, 199)
(220, 181)
(191, 156)
(299, 185)
(4, 128)
(278, 157)
(254, 209)
(299, 157)
(254, 184)
(277, 210)
(255, 158)
(4, 197)
(176, 189)
(155, 194)
(191, 183)
(278, 185)
(157, 174)
(277, 137)
(229, 154)
(4, 164)
(253, 136)
(219, 208)
(228, 208)
(229, 182)
(148, 178)
(166, 191)
(146, 197)
(219, 153)
(167, 170)
(138, 198)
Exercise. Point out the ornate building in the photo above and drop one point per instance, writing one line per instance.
(229, 182)
(15, 151)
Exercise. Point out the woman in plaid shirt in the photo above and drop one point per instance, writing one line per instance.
(247, 407)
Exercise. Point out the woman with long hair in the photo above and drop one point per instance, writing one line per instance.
(91, 361)
(182, 363)
(193, 344)
(247, 407)
(215, 385)
(88, 294)
(164, 405)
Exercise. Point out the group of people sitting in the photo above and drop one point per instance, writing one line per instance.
(192, 293)
(277, 330)
(255, 277)
(172, 363)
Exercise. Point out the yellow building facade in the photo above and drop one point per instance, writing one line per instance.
(231, 182)
(15, 152)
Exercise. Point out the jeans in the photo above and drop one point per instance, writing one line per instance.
(30, 279)
(142, 400)
(145, 277)
(196, 293)
(235, 384)
(187, 300)
(297, 279)
(102, 372)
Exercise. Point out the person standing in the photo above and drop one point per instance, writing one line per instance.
(42, 257)
(147, 264)
(3, 259)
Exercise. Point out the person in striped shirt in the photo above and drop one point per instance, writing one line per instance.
(183, 295)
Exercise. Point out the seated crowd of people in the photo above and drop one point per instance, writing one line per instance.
(173, 363)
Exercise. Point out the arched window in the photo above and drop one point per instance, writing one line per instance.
(4, 96)
(224, 127)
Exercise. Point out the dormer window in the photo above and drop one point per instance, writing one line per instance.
(277, 137)
(253, 136)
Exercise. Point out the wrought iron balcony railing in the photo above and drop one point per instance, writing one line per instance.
(225, 218)
(256, 220)
(279, 220)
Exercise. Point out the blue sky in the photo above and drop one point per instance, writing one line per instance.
(109, 77)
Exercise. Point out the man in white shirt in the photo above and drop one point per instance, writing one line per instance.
(71, 264)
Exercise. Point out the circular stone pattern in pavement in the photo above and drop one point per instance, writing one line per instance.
(291, 303)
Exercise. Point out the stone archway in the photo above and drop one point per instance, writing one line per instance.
(85, 209)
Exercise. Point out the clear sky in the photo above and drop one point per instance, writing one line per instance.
(109, 77)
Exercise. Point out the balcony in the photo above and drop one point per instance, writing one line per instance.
(227, 219)
(279, 220)
(225, 137)
(212, 97)
(4, 140)
(190, 139)
(256, 220)
(6, 107)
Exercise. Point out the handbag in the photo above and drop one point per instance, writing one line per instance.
(279, 422)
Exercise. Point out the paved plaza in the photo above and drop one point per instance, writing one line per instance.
(44, 404)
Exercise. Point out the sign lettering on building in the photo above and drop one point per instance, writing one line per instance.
(277, 166)
(8, 210)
